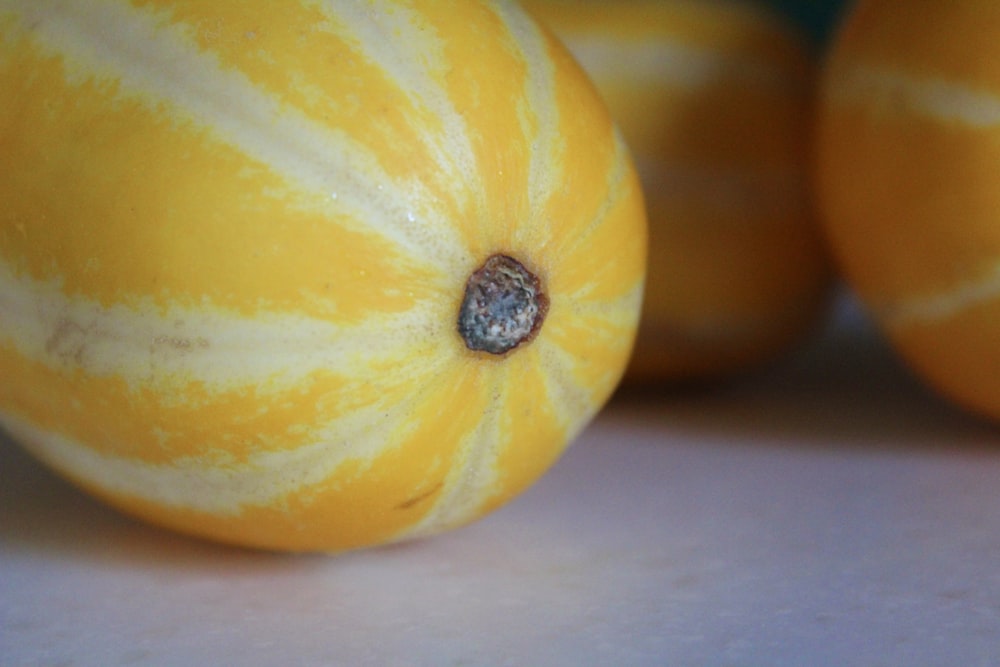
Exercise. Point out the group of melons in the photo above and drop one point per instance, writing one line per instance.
(773, 169)
(315, 276)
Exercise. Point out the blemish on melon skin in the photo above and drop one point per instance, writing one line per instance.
(94, 342)
(417, 499)
(503, 306)
(68, 341)
(181, 343)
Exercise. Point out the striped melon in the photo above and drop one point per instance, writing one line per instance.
(908, 178)
(306, 275)
(713, 98)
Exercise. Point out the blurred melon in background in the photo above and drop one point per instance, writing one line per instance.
(715, 101)
(908, 183)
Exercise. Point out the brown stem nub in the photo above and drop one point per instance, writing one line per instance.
(504, 306)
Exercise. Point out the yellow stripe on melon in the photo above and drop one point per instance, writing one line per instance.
(236, 243)
(907, 162)
(713, 99)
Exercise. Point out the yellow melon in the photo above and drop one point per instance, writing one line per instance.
(306, 275)
(908, 168)
(714, 101)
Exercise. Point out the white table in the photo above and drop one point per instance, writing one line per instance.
(827, 512)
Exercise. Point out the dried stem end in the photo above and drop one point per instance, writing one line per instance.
(504, 306)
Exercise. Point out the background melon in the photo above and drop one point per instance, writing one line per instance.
(908, 172)
(714, 99)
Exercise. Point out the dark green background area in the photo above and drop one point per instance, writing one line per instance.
(817, 17)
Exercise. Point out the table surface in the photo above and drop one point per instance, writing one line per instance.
(828, 511)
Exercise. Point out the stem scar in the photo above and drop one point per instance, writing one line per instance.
(503, 307)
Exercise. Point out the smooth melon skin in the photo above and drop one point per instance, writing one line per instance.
(714, 100)
(236, 249)
(908, 157)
